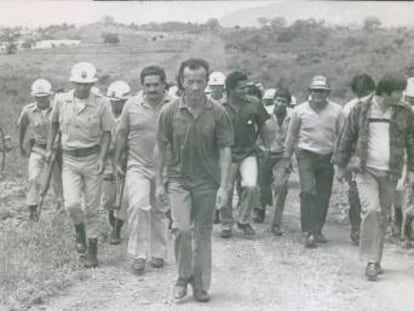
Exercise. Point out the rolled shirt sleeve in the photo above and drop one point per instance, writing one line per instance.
(108, 120)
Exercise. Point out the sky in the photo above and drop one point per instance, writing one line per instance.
(34, 13)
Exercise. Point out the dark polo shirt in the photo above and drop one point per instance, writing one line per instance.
(246, 120)
(193, 143)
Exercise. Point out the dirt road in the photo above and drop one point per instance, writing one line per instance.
(264, 273)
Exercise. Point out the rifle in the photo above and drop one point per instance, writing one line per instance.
(120, 183)
(45, 178)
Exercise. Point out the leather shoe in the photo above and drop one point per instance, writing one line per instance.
(371, 272)
(276, 230)
(310, 241)
(201, 296)
(225, 233)
(246, 228)
(157, 262)
(180, 288)
(320, 238)
(379, 269)
(259, 215)
(138, 266)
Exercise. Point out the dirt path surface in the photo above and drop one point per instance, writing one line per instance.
(263, 273)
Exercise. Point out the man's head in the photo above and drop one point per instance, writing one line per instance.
(41, 91)
(216, 84)
(319, 90)
(83, 76)
(153, 81)
(391, 87)
(118, 93)
(362, 85)
(255, 90)
(282, 101)
(236, 85)
(193, 77)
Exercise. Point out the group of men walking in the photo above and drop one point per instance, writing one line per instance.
(186, 151)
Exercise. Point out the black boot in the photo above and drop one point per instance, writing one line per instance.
(259, 215)
(92, 254)
(80, 239)
(115, 237)
(33, 212)
(111, 218)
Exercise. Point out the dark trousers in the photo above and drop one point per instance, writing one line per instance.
(354, 212)
(266, 165)
(316, 177)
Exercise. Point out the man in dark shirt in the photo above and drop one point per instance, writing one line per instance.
(194, 138)
(248, 117)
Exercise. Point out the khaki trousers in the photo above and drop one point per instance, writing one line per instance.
(147, 221)
(36, 165)
(81, 179)
(376, 192)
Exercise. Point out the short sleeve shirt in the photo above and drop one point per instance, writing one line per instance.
(82, 122)
(246, 121)
(38, 120)
(140, 120)
(193, 143)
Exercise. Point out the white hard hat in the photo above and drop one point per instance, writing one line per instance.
(96, 90)
(83, 73)
(269, 94)
(217, 78)
(319, 83)
(41, 88)
(173, 90)
(409, 91)
(118, 90)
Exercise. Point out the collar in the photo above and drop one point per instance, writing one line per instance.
(36, 109)
(183, 105)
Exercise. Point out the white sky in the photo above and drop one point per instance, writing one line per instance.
(35, 13)
(40, 13)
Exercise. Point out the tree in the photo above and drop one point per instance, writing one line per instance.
(278, 22)
(111, 38)
(213, 24)
(108, 20)
(372, 22)
(263, 22)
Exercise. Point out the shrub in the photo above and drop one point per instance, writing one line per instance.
(111, 38)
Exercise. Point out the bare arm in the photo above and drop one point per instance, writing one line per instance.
(225, 164)
(292, 135)
(264, 132)
(120, 143)
(105, 143)
(52, 135)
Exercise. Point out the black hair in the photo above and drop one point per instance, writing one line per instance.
(284, 92)
(362, 85)
(153, 71)
(233, 79)
(389, 83)
(193, 64)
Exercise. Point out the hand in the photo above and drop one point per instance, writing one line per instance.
(101, 166)
(119, 170)
(340, 173)
(48, 156)
(161, 194)
(221, 198)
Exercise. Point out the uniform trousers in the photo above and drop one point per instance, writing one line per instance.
(81, 179)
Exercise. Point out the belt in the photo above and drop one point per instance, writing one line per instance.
(84, 152)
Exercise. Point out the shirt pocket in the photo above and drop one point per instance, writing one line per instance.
(93, 124)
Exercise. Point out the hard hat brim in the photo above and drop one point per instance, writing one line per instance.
(74, 80)
(41, 94)
(324, 88)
